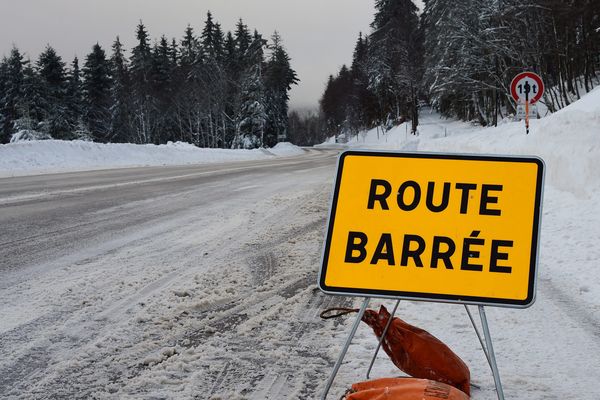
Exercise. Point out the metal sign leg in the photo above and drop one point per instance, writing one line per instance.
(481, 339)
(490, 353)
(387, 326)
(346, 346)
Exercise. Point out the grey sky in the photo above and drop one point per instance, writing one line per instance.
(318, 34)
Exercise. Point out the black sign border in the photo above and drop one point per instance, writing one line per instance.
(441, 298)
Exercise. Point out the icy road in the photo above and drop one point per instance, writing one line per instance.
(200, 282)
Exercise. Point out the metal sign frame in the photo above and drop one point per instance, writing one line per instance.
(485, 341)
(443, 298)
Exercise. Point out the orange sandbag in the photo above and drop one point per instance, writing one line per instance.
(404, 389)
(417, 352)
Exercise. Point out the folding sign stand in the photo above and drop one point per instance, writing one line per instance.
(486, 345)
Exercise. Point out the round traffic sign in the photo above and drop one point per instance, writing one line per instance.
(527, 87)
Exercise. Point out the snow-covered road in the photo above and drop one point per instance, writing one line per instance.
(160, 283)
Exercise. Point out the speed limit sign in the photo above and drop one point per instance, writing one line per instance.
(527, 87)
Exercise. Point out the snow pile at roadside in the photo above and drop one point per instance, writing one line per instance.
(286, 149)
(34, 157)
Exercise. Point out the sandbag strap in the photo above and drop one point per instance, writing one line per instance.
(341, 311)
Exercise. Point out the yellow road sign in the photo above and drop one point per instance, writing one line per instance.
(440, 227)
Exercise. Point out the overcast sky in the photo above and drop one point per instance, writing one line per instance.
(318, 34)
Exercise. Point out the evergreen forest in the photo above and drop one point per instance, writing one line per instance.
(212, 89)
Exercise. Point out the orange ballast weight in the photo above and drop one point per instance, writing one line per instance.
(417, 352)
(414, 350)
(404, 389)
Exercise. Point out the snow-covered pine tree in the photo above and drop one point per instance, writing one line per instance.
(208, 37)
(394, 59)
(161, 72)
(243, 39)
(189, 49)
(279, 78)
(75, 102)
(335, 103)
(51, 70)
(232, 78)
(3, 84)
(214, 84)
(12, 93)
(144, 111)
(363, 104)
(120, 93)
(96, 91)
(252, 115)
(33, 105)
(185, 99)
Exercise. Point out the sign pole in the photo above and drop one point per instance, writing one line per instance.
(387, 326)
(527, 117)
(338, 364)
(490, 353)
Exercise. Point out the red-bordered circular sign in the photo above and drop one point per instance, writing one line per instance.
(527, 86)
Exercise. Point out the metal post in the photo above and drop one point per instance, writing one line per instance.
(490, 352)
(338, 364)
(481, 340)
(387, 326)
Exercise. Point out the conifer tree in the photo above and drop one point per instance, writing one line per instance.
(12, 93)
(161, 84)
(394, 58)
(252, 115)
(143, 102)
(279, 78)
(51, 70)
(33, 103)
(97, 96)
(74, 100)
(120, 92)
(3, 85)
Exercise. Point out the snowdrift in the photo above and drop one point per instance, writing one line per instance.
(34, 157)
(568, 141)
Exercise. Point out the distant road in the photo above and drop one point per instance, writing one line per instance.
(46, 216)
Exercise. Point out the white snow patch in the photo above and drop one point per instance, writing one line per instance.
(48, 156)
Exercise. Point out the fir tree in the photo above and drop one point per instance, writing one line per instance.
(97, 98)
(120, 92)
(33, 103)
(51, 70)
(394, 58)
(252, 115)
(12, 93)
(189, 49)
(279, 78)
(74, 100)
(143, 102)
(3, 85)
(243, 39)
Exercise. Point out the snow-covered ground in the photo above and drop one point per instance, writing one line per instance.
(50, 156)
(215, 298)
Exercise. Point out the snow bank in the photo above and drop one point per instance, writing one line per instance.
(34, 157)
(568, 141)
(286, 149)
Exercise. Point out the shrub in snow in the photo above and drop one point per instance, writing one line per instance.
(29, 134)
